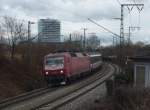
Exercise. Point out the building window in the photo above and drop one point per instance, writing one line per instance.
(140, 75)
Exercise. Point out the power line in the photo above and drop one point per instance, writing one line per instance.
(139, 7)
(130, 28)
(134, 1)
(118, 2)
(104, 28)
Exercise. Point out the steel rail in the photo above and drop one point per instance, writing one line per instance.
(36, 93)
(67, 98)
(24, 96)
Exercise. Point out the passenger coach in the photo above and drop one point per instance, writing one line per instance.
(96, 61)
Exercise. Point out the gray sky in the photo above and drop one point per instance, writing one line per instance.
(73, 15)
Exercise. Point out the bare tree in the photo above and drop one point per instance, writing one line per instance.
(15, 31)
(1, 35)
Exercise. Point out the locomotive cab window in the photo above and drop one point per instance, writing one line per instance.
(55, 61)
(73, 54)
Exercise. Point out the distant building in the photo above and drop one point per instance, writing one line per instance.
(93, 41)
(3, 40)
(49, 30)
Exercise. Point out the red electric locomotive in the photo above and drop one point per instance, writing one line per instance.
(61, 67)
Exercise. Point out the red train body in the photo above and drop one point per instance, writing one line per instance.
(60, 67)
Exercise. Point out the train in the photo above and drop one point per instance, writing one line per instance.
(61, 68)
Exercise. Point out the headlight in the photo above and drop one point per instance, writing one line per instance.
(61, 71)
(46, 73)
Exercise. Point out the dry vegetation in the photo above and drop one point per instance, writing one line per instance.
(126, 98)
(15, 75)
(21, 59)
(23, 72)
(122, 95)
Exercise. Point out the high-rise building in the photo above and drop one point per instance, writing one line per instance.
(49, 30)
(93, 41)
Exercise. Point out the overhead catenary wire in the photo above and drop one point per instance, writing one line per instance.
(134, 1)
(118, 2)
(139, 13)
(139, 10)
(104, 28)
(95, 22)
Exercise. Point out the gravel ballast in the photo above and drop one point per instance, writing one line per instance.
(87, 101)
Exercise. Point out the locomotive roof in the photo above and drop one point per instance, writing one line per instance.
(52, 54)
(95, 55)
(75, 54)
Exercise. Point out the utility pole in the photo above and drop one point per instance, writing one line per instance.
(29, 30)
(113, 41)
(84, 38)
(100, 42)
(129, 39)
(130, 7)
(81, 43)
(122, 25)
(29, 45)
(70, 38)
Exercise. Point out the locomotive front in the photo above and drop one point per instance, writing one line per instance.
(54, 69)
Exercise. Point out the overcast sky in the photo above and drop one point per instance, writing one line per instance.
(73, 15)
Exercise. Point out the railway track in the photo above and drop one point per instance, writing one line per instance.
(24, 96)
(67, 98)
(54, 97)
